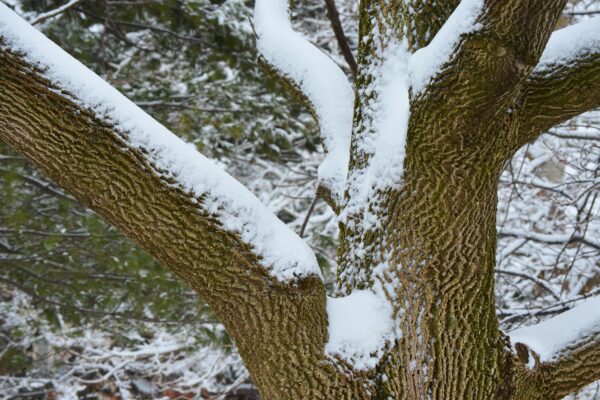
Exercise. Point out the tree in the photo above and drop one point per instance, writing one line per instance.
(446, 93)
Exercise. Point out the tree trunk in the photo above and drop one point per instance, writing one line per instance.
(440, 231)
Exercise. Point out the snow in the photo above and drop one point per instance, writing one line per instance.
(570, 42)
(428, 61)
(386, 142)
(551, 337)
(551, 237)
(319, 78)
(65, 358)
(283, 253)
(360, 324)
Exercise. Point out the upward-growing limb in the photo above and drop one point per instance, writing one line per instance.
(314, 77)
(418, 228)
(560, 355)
(458, 137)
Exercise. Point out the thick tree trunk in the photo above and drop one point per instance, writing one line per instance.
(441, 234)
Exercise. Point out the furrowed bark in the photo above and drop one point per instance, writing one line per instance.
(279, 328)
(576, 368)
(424, 18)
(459, 138)
(418, 21)
(462, 108)
(430, 250)
(480, 83)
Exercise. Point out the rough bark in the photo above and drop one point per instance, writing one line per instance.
(574, 367)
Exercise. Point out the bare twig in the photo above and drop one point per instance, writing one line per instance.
(340, 36)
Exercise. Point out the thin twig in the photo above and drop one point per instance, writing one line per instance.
(340, 36)
(310, 210)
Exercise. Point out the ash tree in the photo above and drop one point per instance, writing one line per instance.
(445, 93)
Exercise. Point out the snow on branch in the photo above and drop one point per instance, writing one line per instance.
(428, 61)
(565, 81)
(552, 238)
(53, 13)
(318, 78)
(360, 324)
(555, 338)
(281, 251)
(569, 44)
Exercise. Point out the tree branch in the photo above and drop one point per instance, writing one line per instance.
(340, 36)
(483, 53)
(565, 83)
(196, 220)
(425, 18)
(53, 13)
(561, 238)
(317, 80)
(563, 352)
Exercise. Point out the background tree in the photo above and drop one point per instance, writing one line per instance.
(584, 235)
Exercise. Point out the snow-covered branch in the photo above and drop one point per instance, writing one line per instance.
(565, 82)
(455, 66)
(564, 351)
(204, 183)
(428, 61)
(53, 13)
(318, 80)
(557, 238)
(425, 18)
(196, 220)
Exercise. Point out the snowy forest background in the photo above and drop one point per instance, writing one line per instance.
(86, 314)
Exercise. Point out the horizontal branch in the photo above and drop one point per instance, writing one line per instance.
(575, 135)
(562, 238)
(564, 351)
(317, 80)
(565, 83)
(541, 283)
